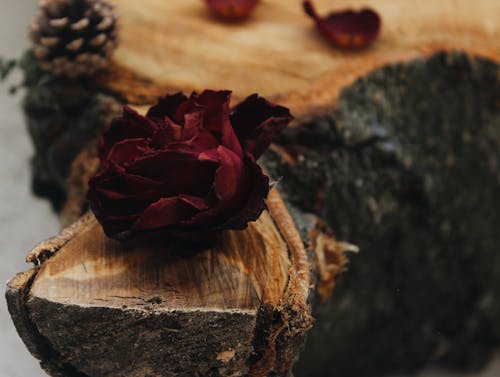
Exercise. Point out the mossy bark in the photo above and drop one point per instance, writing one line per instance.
(63, 117)
(408, 169)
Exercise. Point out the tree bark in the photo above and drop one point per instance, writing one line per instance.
(386, 148)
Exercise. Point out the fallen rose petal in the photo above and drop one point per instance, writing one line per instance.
(232, 10)
(348, 28)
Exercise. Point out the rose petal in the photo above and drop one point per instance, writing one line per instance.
(182, 173)
(167, 107)
(130, 125)
(246, 203)
(215, 105)
(257, 189)
(105, 197)
(169, 211)
(232, 10)
(167, 132)
(347, 29)
(126, 151)
(228, 175)
(258, 122)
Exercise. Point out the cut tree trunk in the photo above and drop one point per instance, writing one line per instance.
(96, 307)
(386, 147)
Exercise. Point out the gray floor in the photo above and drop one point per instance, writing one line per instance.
(26, 220)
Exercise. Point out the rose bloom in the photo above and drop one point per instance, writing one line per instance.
(188, 166)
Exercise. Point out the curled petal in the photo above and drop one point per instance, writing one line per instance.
(232, 10)
(258, 122)
(347, 29)
(130, 125)
(216, 113)
(246, 203)
(167, 107)
(180, 172)
(255, 193)
(227, 180)
(169, 211)
(126, 151)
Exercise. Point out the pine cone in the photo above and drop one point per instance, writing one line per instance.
(74, 38)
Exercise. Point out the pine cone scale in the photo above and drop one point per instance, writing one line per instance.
(80, 25)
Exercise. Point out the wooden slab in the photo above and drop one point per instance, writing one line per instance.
(245, 269)
(177, 44)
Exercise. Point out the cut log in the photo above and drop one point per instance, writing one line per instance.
(423, 289)
(278, 53)
(97, 307)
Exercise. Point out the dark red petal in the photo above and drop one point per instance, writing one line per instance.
(232, 9)
(110, 193)
(258, 122)
(202, 141)
(228, 175)
(193, 122)
(216, 109)
(348, 28)
(130, 125)
(169, 211)
(127, 151)
(182, 173)
(216, 118)
(256, 189)
(166, 132)
(167, 106)
(188, 107)
(246, 203)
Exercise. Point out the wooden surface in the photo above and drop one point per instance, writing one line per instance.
(243, 270)
(278, 52)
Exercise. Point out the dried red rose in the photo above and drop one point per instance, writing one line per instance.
(347, 29)
(232, 9)
(187, 166)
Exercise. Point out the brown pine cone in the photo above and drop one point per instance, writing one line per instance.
(74, 38)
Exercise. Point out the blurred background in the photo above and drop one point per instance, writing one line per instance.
(24, 219)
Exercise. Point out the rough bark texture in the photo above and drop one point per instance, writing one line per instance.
(407, 168)
(63, 117)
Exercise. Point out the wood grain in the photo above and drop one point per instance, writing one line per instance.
(177, 44)
(245, 269)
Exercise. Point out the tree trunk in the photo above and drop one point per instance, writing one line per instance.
(386, 148)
